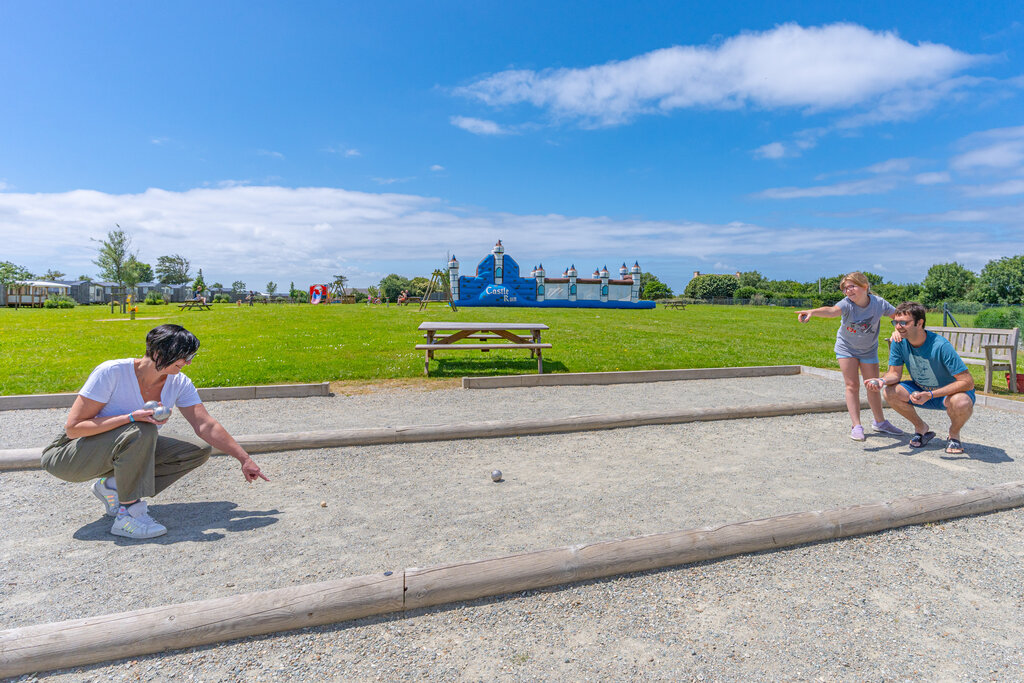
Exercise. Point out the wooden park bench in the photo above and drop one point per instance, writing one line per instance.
(490, 335)
(995, 349)
(194, 303)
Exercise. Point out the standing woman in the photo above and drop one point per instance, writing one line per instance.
(109, 436)
(857, 346)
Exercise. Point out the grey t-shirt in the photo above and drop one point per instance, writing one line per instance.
(858, 332)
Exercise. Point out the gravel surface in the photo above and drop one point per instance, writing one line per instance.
(941, 601)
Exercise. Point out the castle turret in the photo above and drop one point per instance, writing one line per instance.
(453, 277)
(604, 283)
(499, 262)
(571, 274)
(634, 293)
(623, 271)
(538, 273)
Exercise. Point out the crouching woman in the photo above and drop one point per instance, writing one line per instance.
(111, 437)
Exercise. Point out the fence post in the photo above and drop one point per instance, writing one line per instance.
(944, 313)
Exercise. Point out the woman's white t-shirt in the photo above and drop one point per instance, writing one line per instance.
(114, 384)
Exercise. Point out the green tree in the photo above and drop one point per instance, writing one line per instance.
(392, 285)
(135, 272)
(1002, 281)
(217, 285)
(712, 286)
(652, 288)
(752, 278)
(271, 288)
(11, 273)
(947, 282)
(418, 286)
(84, 278)
(112, 258)
(199, 284)
(238, 288)
(173, 269)
(145, 272)
(52, 275)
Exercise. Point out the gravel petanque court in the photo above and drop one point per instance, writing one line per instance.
(939, 601)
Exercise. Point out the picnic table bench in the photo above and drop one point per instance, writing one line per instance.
(669, 303)
(194, 303)
(986, 346)
(482, 337)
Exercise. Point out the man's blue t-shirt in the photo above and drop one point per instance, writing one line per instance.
(931, 365)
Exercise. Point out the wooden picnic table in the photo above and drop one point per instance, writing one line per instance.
(194, 303)
(444, 336)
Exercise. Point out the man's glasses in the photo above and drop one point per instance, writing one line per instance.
(902, 323)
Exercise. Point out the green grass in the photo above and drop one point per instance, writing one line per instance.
(53, 350)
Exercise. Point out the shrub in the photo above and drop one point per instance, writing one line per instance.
(59, 301)
(712, 286)
(222, 299)
(758, 300)
(154, 299)
(1000, 318)
(744, 293)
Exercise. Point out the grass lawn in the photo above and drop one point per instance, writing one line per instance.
(53, 350)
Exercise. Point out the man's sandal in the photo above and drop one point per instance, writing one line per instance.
(921, 440)
(954, 447)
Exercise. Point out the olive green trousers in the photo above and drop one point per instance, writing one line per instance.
(142, 462)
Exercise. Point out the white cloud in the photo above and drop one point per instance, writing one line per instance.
(269, 153)
(891, 166)
(479, 126)
(437, 167)
(259, 233)
(838, 66)
(159, 141)
(935, 178)
(3, 185)
(773, 150)
(1003, 189)
(341, 150)
(847, 189)
(1007, 152)
(392, 181)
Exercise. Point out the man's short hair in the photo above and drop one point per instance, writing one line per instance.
(168, 344)
(913, 309)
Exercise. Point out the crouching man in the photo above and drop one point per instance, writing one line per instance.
(939, 380)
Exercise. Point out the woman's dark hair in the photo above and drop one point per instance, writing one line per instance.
(168, 344)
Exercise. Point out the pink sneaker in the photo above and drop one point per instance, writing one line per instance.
(887, 427)
(857, 433)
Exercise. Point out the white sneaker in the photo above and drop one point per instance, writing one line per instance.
(135, 522)
(107, 495)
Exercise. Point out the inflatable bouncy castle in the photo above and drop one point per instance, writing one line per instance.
(498, 282)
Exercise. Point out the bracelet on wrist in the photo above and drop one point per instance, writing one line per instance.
(131, 418)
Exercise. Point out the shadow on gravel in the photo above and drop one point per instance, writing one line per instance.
(486, 367)
(973, 451)
(190, 522)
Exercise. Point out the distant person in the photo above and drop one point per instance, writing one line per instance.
(110, 437)
(250, 297)
(857, 346)
(939, 380)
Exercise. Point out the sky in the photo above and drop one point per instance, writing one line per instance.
(293, 141)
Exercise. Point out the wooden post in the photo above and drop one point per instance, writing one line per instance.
(96, 639)
(269, 443)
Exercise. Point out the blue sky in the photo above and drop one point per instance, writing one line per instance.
(293, 141)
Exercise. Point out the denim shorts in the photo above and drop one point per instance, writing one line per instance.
(937, 403)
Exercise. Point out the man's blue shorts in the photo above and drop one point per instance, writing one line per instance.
(932, 403)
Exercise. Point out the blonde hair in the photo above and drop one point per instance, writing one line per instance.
(856, 278)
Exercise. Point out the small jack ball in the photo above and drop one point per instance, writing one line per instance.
(496, 475)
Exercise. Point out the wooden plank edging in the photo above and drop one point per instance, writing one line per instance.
(42, 401)
(626, 376)
(28, 458)
(101, 638)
